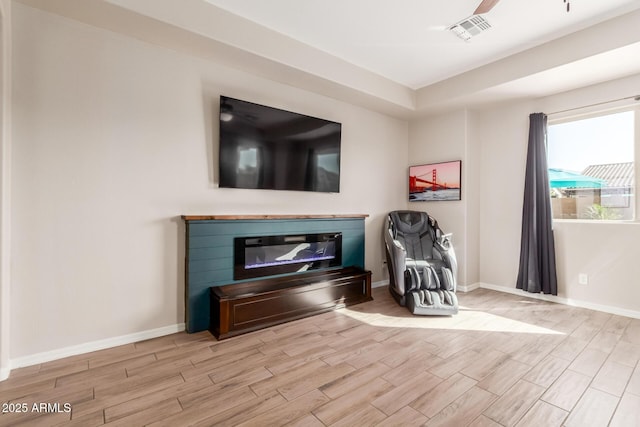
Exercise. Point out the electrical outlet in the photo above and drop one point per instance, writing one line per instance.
(583, 279)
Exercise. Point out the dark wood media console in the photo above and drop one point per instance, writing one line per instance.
(248, 306)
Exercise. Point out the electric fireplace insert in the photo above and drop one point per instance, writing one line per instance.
(270, 255)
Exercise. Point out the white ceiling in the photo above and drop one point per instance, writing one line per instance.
(406, 41)
(395, 57)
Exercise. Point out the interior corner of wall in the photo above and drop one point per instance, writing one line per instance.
(4, 373)
(5, 124)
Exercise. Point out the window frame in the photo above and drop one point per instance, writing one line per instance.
(598, 111)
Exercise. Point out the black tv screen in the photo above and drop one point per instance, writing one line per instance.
(267, 148)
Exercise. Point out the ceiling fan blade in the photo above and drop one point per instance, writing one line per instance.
(485, 6)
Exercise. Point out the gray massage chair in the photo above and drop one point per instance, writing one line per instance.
(422, 264)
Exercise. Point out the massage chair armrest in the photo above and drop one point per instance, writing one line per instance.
(397, 255)
(445, 247)
(443, 242)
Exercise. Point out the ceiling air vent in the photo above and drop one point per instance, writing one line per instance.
(470, 27)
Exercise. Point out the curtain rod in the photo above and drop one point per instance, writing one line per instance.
(634, 97)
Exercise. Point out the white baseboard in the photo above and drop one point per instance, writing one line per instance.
(4, 373)
(566, 301)
(468, 288)
(73, 350)
(380, 284)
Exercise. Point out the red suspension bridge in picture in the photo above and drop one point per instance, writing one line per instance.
(417, 184)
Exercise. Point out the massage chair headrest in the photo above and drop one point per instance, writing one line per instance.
(409, 222)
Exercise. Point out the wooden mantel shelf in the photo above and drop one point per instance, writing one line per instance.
(252, 217)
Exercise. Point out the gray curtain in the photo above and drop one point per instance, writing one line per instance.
(537, 250)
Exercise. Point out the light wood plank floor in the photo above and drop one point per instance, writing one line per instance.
(503, 360)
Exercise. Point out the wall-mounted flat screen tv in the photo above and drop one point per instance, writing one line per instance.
(267, 148)
(435, 181)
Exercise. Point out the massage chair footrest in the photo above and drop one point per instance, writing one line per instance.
(437, 302)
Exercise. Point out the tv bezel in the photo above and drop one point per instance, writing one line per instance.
(267, 108)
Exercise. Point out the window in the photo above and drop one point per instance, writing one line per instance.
(591, 166)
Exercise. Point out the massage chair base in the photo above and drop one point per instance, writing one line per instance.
(400, 299)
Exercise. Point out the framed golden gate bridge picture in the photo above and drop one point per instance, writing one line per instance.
(435, 181)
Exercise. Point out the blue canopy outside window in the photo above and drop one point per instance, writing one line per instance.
(559, 178)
